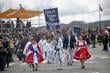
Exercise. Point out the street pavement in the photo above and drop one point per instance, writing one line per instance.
(98, 63)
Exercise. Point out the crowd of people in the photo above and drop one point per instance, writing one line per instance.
(50, 46)
(6, 52)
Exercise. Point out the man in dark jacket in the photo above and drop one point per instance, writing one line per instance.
(65, 41)
(105, 41)
(1, 56)
(7, 51)
(71, 45)
(72, 41)
(2, 59)
(109, 40)
(93, 38)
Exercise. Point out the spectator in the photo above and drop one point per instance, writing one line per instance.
(105, 41)
(93, 38)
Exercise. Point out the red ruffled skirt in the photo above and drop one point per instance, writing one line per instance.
(29, 58)
(82, 54)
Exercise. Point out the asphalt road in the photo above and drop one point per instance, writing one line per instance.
(98, 63)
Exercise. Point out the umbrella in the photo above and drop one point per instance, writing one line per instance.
(24, 14)
(21, 13)
(4, 14)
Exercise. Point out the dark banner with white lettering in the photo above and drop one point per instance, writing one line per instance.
(52, 19)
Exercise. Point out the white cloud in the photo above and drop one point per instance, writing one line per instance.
(80, 17)
(84, 10)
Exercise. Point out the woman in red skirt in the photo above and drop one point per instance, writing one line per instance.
(81, 52)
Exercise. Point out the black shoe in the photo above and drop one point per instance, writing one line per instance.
(36, 69)
(59, 69)
(83, 67)
(3, 70)
(49, 63)
(70, 64)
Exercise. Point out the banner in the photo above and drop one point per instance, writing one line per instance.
(77, 30)
(52, 19)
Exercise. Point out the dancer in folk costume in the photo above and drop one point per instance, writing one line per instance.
(81, 53)
(33, 54)
(58, 51)
(49, 49)
(42, 44)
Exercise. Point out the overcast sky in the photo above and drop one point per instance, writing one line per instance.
(69, 10)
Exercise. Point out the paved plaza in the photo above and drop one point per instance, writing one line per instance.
(98, 63)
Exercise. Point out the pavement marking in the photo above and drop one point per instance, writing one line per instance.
(99, 56)
(104, 57)
(45, 61)
(22, 64)
(11, 64)
(93, 72)
(90, 62)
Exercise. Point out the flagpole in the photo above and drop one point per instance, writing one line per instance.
(1, 21)
(100, 23)
(39, 22)
(100, 20)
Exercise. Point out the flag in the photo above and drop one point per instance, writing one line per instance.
(100, 8)
(30, 52)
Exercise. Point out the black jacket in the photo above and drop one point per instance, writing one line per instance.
(65, 41)
(105, 39)
(72, 41)
(68, 42)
